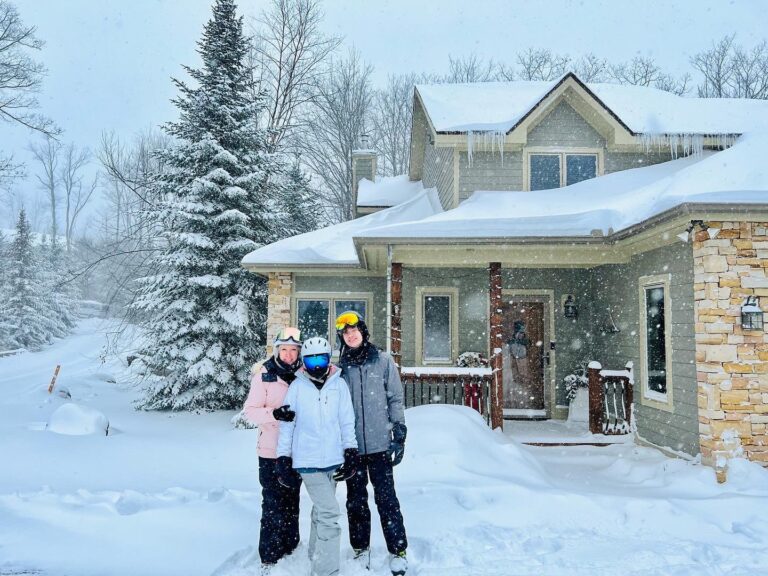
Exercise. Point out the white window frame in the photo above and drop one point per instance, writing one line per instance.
(650, 397)
(562, 153)
(453, 293)
(332, 297)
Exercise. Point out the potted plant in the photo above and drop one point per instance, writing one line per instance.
(576, 390)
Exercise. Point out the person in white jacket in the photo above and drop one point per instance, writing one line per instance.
(319, 448)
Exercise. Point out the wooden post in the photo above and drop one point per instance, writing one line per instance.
(53, 380)
(496, 345)
(395, 312)
(595, 398)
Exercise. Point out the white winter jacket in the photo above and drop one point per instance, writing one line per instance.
(324, 425)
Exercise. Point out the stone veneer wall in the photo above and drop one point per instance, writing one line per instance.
(731, 364)
(280, 285)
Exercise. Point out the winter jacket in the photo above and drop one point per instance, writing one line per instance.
(324, 425)
(267, 393)
(377, 396)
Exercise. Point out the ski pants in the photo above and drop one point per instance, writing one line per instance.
(279, 534)
(325, 534)
(377, 467)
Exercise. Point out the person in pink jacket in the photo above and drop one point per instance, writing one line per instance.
(279, 533)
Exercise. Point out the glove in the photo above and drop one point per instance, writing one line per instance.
(284, 413)
(397, 444)
(286, 475)
(349, 468)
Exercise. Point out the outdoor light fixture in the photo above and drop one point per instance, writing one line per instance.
(685, 236)
(570, 309)
(751, 314)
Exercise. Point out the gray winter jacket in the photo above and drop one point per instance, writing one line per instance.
(377, 397)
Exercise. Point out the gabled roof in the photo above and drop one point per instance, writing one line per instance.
(503, 106)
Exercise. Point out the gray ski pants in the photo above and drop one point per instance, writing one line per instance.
(325, 534)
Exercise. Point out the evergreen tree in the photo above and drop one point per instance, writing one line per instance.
(5, 328)
(25, 310)
(62, 296)
(205, 314)
(300, 207)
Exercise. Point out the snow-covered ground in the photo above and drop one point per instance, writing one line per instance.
(167, 494)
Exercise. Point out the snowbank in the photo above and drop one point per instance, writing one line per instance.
(387, 191)
(75, 420)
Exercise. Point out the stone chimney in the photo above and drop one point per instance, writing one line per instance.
(363, 166)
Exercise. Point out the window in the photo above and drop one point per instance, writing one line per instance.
(655, 327)
(315, 314)
(548, 170)
(437, 328)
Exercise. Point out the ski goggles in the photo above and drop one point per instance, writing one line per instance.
(347, 319)
(316, 361)
(289, 335)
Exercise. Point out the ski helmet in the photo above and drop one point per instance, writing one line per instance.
(316, 356)
(351, 318)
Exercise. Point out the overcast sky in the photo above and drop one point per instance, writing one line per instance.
(110, 61)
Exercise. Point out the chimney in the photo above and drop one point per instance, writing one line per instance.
(363, 166)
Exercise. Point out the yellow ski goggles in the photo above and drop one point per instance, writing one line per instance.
(347, 319)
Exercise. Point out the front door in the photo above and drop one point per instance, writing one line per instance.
(524, 360)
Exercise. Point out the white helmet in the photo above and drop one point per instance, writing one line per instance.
(288, 336)
(316, 345)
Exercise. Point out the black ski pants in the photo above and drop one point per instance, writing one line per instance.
(377, 467)
(279, 534)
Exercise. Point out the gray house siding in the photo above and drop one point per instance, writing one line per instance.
(377, 317)
(489, 172)
(616, 288)
(438, 173)
(565, 127)
(617, 161)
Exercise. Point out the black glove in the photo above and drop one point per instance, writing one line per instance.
(397, 444)
(286, 475)
(284, 413)
(349, 468)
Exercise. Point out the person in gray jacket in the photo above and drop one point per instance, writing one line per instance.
(377, 398)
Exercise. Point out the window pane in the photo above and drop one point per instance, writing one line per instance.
(580, 167)
(353, 305)
(313, 318)
(437, 328)
(655, 342)
(545, 171)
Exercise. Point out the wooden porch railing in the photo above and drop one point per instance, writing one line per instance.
(610, 400)
(461, 386)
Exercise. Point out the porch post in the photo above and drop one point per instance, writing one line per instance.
(496, 345)
(395, 319)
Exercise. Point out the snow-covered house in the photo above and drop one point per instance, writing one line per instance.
(544, 225)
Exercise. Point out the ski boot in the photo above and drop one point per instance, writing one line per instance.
(398, 564)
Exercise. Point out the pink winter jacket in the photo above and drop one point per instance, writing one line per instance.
(262, 399)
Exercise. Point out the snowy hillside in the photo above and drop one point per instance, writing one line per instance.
(177, 494)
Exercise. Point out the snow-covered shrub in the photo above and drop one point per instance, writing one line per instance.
(577, 379)
(240, 421)
(471, 360)
(75, 420)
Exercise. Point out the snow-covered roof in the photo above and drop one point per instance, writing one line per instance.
(738, 175)
(387, 191)
(499, 106)
(334, 244)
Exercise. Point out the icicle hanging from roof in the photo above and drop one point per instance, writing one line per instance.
(485, 140)
(687, 143)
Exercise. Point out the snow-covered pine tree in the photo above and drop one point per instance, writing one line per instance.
(5, 328)
(204, 314)
(62, 295)
(299, 207)
(24, 311)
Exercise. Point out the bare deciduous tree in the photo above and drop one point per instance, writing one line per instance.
(470, 68)
(731, 71)
(591, 68)
(333, 128)
(46, 153)
(20, 79)
(716, 65)
(541, 64)
(76, 192)
(287, 60)
(644, 71)
(391, 123)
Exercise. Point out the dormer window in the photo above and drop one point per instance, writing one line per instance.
(553, 169)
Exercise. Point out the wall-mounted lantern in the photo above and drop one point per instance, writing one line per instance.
(751, 314)
(570, 309)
